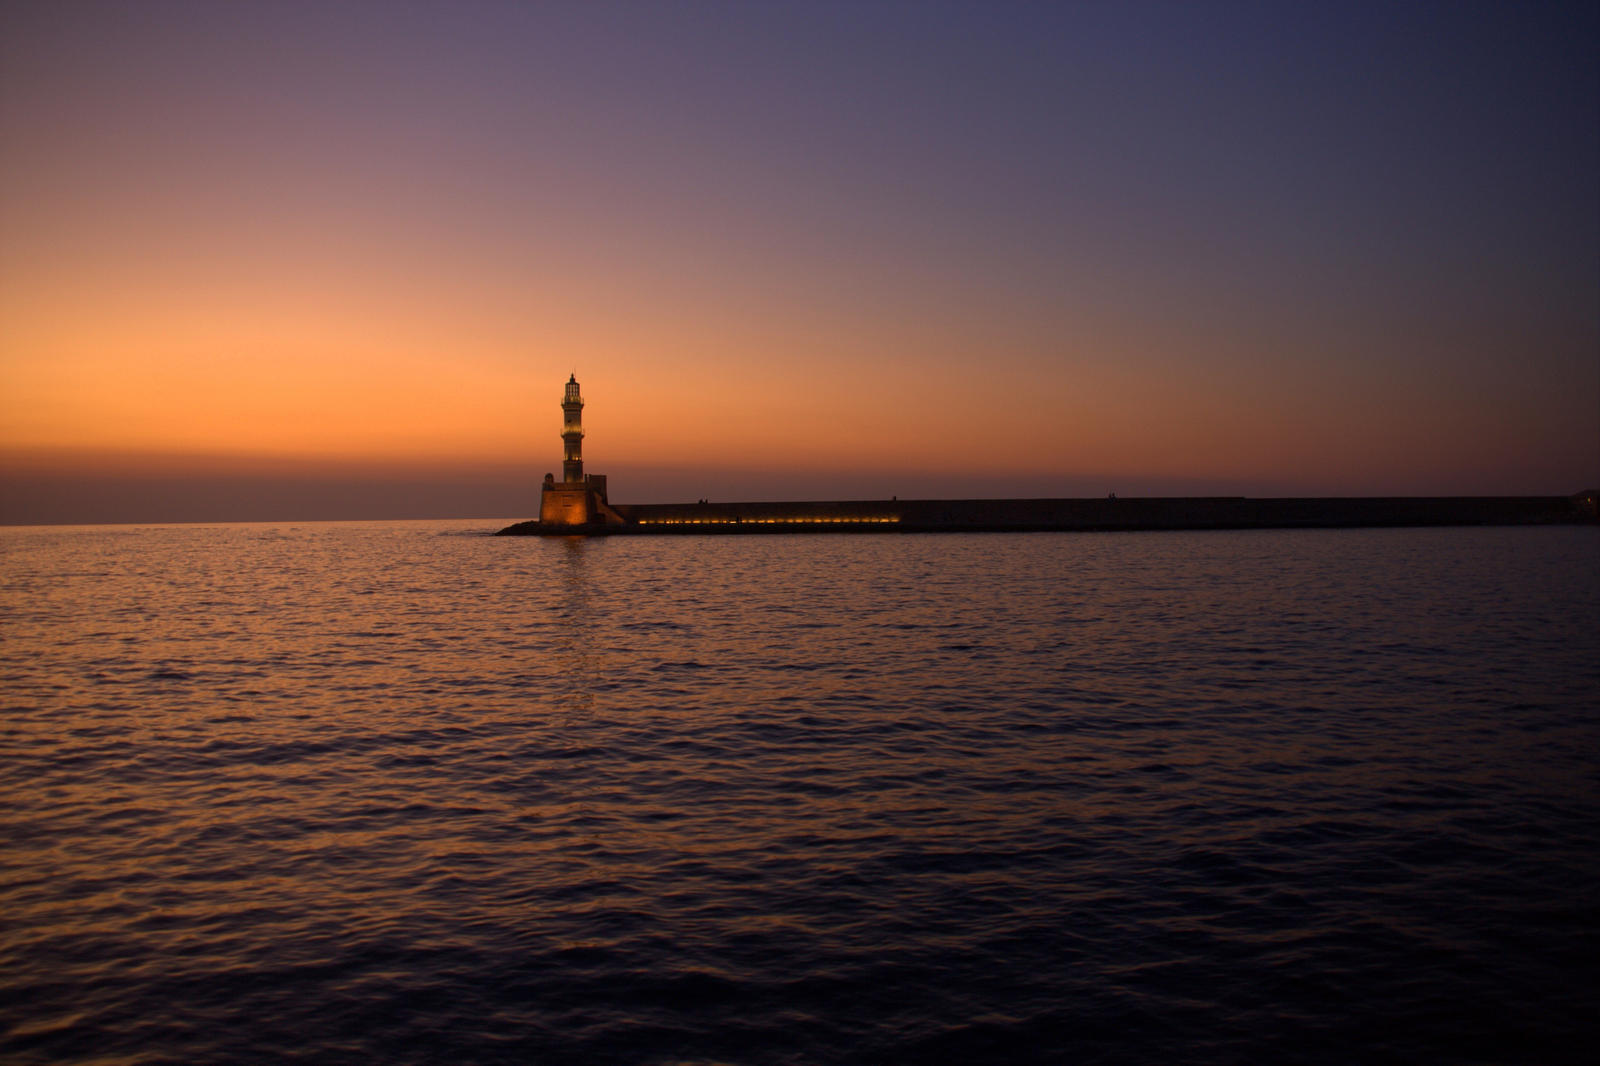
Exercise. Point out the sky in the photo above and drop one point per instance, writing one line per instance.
(307, 260)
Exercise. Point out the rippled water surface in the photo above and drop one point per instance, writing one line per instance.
(403, 793)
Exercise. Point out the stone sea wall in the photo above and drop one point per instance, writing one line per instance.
(1013, 515)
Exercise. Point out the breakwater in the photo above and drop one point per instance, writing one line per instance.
(1077, 515)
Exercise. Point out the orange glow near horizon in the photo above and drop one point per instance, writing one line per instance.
(212, 351)
(384, 376)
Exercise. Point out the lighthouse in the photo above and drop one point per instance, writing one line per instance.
(572, 433)
(578, 499)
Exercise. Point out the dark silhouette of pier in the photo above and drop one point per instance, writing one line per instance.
(1076, 515)
(578, 504)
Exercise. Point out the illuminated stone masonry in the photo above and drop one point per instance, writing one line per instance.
(577, 502)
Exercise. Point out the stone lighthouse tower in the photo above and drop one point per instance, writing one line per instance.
(572, 433)
(577, 499)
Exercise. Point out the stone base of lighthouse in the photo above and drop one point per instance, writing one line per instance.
(576, 503)
(565, 505)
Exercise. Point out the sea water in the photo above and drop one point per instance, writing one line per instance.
(406, 793)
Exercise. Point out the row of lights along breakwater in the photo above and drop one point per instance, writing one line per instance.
(738, 520)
